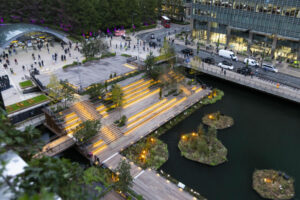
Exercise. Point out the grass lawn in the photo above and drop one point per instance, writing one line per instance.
(26, 84)
(148, 153)
(27, 103)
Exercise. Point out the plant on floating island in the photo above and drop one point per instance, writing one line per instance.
(213, 97)
(86, 130)
(218, 120)
(271, 184)
(203, 146)
(148, 153)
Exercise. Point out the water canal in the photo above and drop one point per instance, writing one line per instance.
(266, 135)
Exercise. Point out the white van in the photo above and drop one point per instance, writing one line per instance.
(227, 54)
(251, 62)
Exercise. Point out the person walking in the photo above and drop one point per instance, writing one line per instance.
(39, 57)
(224, 72)
(23, 67)
(42, 63)
(16, 62)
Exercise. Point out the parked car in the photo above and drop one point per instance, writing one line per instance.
(245, 71)
(127, 38)
(270, 68)
(209, 60)
(251, 62)
(188, 51)
(228, 54)
(226, 65)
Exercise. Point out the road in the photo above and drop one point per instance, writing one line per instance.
(271, 76)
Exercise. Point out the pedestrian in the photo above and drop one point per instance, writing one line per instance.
(222, 69)
(48, 50)
(32, 55)
(39, 57)
(70, 54)
(23, 67)
(16, 62)
(9, 51)
(65, 58)
(62, 57)
(11, 70)
(7, 61)
(0, 60)
(42, 63)
(224, 72)
(35, 62)
(31, 66)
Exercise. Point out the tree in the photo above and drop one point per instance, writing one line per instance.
(117, 95)
(26, 143)
(58, 176)
(91, 48)
(86, 130)
(96, 91)
(59, 92)
(150, 61)
(167, 51)
(125, 178)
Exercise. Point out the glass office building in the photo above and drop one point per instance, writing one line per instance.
(255, 27)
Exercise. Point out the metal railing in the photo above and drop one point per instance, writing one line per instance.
(255, 82)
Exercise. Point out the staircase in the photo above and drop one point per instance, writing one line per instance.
(85, 111)
(110, 133)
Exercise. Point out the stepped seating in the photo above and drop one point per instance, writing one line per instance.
(110, 133)
(84, 112)
(140, 98)
(150, 116)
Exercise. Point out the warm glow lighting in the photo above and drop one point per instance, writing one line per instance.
(70, 115)
(98, 143)
(79, 107)
(100, 107)
(194, 88)
(153, 111)
(136, 96)
(141, 98)
(210, 116)
(267, 180)
(147, 109)
(134, 128)
(152, 139)
(73, 125)
(194, 134)
(132, 84)
(183, 137)
(129, 66)
(72, 120)
(100, 149)
(137, 86)
(200, 89)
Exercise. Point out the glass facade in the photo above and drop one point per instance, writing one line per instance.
(250, 26)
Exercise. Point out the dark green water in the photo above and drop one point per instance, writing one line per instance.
(266, 135)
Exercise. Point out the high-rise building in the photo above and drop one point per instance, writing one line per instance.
(255, 27)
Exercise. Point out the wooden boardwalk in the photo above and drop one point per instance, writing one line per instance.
(149, 183)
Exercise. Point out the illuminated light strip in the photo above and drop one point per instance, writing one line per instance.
(99, 149)
(130, 72)
(200, 89)
(105, 115)
(136, 96)
(100, 107)
(70, 126)
(138, 90)
(98, 143)
(147, 109)
(150, 113)
(141, 87)
(137, 86)
(71, 120)
(176, 103)
(194, 88)
(129, 66)
(141, 98)
(70, 115)
(132, 84)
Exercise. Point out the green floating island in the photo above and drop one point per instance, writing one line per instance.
(203, 147)
(148, 153)
(218, 120)
(271, 184)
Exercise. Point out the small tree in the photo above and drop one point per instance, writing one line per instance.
(93, 47)
(117, 95)
(150, 61)
(125, 178)
(167, 51)
(86, 130)
(96, 91)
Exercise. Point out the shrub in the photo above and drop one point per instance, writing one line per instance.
(70, 65)
(26, 84)
(108, 54)
(125, 55)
